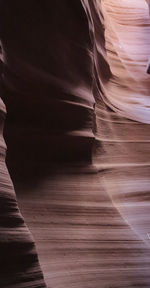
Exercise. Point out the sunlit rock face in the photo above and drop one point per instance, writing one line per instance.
(68, 82)
(123, 108)
(127, 29)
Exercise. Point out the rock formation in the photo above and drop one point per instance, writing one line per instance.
(77, 131)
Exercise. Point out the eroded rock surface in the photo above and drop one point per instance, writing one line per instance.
(79, 161)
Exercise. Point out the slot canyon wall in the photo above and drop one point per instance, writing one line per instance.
(74, 83)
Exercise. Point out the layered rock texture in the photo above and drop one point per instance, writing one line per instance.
(74, 83)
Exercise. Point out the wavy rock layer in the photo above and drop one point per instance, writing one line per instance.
(19, 266)
(82, 239)
(90, 222)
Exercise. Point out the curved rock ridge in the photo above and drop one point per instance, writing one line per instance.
(48, 78)
(126, 51)
(82, 172)
(19, 266)
(122, 140)
(46, 85)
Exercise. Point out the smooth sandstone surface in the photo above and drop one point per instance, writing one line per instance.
(80, 164)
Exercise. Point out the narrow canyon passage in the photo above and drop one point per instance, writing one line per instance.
(77, 130)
